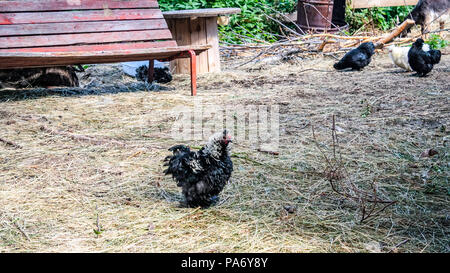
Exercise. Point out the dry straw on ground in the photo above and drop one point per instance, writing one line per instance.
(61, 192)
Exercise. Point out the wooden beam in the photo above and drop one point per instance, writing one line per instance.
(87, 48)
(358, 4)
(24, 60)
(188, 13)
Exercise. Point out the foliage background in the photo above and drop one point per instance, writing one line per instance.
(253, 25)
(250, 25)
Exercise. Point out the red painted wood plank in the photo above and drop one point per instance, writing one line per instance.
(84, 38)
(79, 16)
(93, 48)
(4, 20)
(47, 60)
(81, 27)
(55, 5)
(21, 62)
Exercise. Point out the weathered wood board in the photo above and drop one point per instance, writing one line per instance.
(197, 27)
(356, 4)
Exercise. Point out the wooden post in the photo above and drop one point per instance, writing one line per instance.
(198, 37)
(212, 38)
(151, 71)
(193, 58)
(191, 31)
(197, 27)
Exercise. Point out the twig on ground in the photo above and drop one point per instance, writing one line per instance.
(10, 143)
(268, 152)
(82, 138)
(20, 229)
(398, 245)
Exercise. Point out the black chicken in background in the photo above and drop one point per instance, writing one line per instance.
(357, 58)
(203, 174)
(161, 74)
(422, 61)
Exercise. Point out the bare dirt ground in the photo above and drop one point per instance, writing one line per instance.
(83, 172)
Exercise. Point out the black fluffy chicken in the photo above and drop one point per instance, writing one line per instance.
(422, 61)
(202, 175)
(357, 58)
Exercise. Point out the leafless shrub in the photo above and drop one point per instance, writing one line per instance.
(369, 202)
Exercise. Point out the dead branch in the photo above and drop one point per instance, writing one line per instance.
(280, 23)
(285, 17)
(398, 245)
(313, 69)
(268, 152)
(20, 229)
(395, 33)
(328, 35)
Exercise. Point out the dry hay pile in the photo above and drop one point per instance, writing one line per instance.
(82, 170)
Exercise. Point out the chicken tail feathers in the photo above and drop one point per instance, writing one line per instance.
(340, 65)
(182, 148)
(174, 163)
(168, 158)
(435, 56)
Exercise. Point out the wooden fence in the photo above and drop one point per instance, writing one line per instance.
(356, 4)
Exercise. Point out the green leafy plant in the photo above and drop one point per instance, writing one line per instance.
(250, 25)
(97, 231)
(367, 109)
(436, 42)
(381, 18)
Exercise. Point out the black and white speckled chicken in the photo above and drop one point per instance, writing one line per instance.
(202, 174)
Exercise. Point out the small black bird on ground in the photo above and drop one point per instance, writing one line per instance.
(357, 58)
(422, 61)
(202, 175)
(161, 74)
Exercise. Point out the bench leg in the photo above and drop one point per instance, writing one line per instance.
(151, 71)
(193, 58)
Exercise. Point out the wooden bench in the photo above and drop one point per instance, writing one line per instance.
(45, 33)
